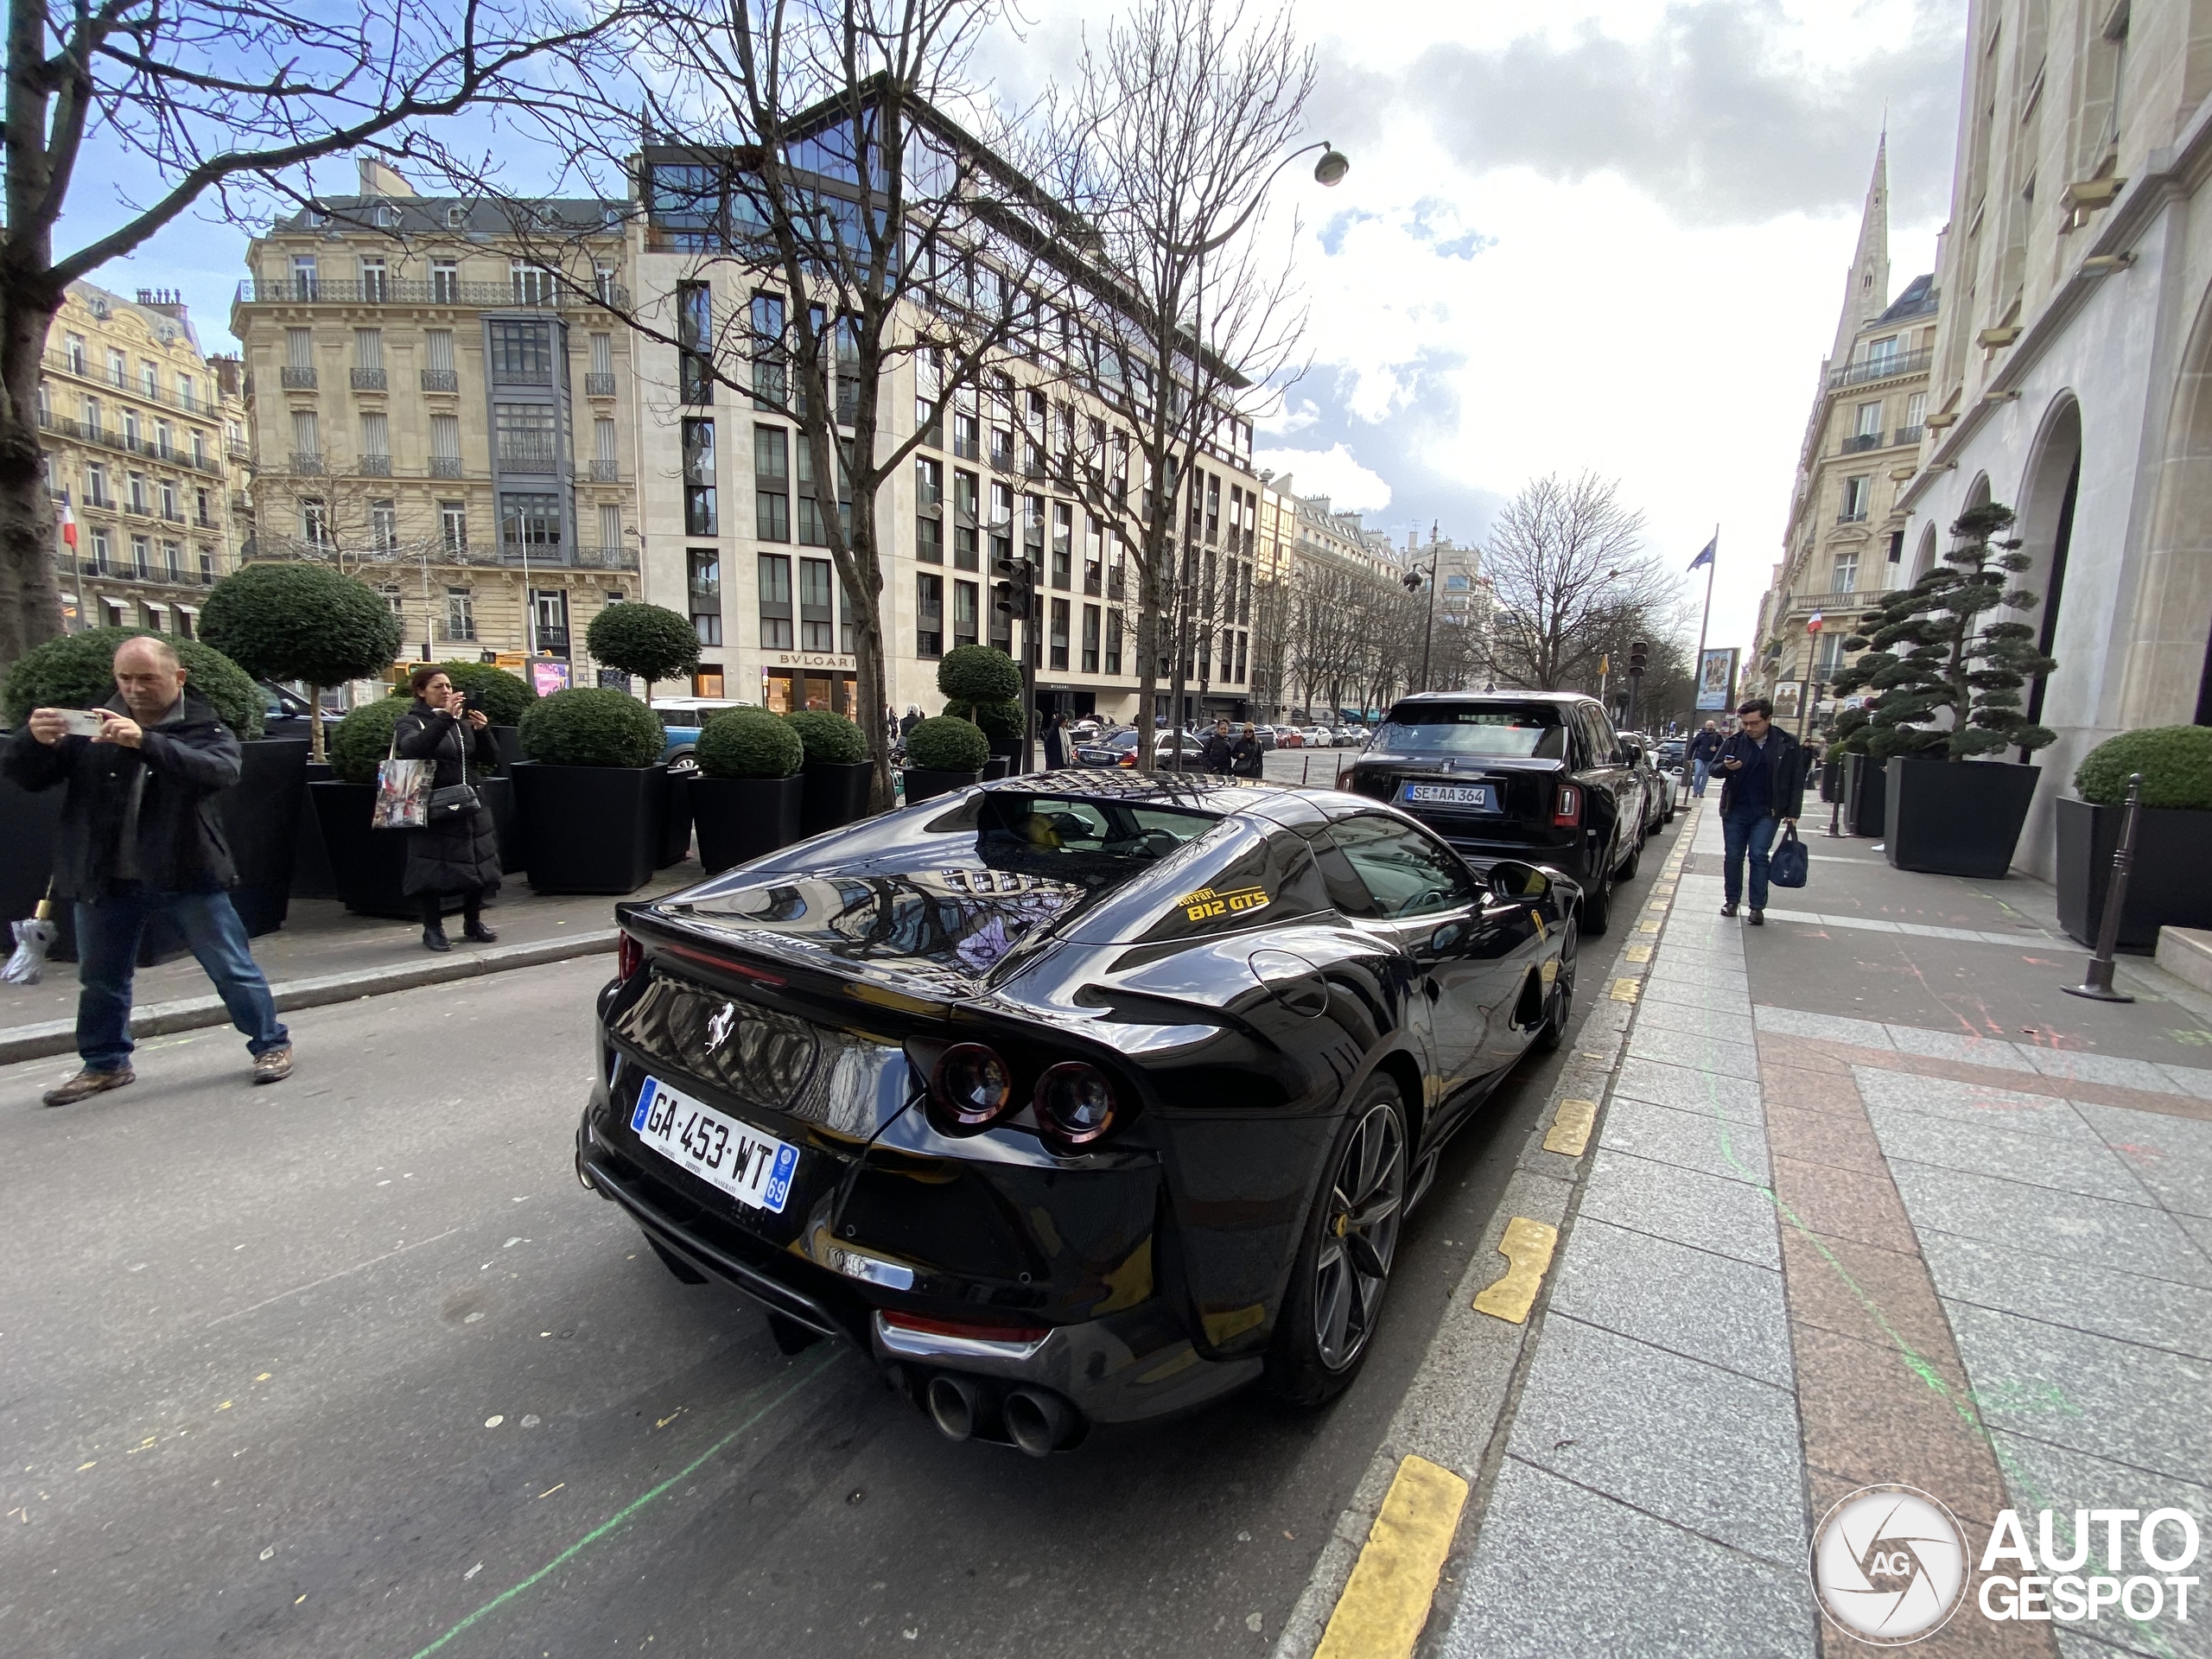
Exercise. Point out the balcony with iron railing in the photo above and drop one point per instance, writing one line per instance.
(599, 386)
(1905, 434)
(130, 443)
(441, 380)
(305, 464)
(1852, 516)
(1881, 368)
(297, 379)
(368, 380)
(1838, 607)
(460, 632)
(373, 465)
(71, 568)
(489, 296)
(1857, 443)
(445, 466)
(187, 403)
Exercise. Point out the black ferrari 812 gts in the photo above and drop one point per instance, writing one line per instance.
(1076, 1097)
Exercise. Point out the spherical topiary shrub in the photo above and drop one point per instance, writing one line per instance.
(649, 642)
(1001, 722)
(973, 675)
(828, 737)
(748, 743)
(364, 738)
(2175, 762)
(947, 743)
(77, 671)
(501, 696)
(591, 726)
(304, 622)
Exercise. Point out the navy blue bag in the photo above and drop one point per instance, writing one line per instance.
(1787, 868)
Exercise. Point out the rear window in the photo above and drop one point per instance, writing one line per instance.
(1081, 839)
(1507, 730)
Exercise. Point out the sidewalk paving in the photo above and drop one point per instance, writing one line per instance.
(1870, 1201)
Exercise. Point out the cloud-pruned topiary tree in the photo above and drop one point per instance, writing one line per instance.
(828, 737)
(947, 743)
(749, 743)
(591, 726)
(648, 642)
(77, 671)
(971, 675)
(1948, 680)
(304, 622)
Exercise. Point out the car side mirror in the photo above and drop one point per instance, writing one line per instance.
(1514, 882)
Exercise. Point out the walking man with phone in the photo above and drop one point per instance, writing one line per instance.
(138, 837)
(1762, 772)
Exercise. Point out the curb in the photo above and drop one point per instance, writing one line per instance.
(1455, 1411)
(53, 1037)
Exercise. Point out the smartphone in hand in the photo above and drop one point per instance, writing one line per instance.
(80, 722)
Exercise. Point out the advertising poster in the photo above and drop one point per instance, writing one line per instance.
(1788, 700)
(548, 677)
(1716, 680)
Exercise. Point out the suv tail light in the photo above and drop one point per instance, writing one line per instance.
(1566, 812)
(629, 957)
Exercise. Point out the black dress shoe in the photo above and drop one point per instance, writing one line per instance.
(480, 933)
(1728, 909)
(434, 939)
(1758, 919)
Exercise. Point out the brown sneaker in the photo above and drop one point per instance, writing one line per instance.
(87, 1083)
(274, 1066)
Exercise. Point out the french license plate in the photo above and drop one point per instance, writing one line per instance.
(1481, 798)
(753, 1168)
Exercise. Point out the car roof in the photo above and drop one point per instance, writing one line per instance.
(1493, 696)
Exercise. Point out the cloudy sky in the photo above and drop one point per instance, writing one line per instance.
(1603, 234)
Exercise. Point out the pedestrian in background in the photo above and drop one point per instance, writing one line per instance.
(1219, 749)
(138, 837)
(1246, 758)
(1763, 782)
(1704, 750)
(456, 853)
(1055, 742)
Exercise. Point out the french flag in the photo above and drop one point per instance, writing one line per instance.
(68, 523)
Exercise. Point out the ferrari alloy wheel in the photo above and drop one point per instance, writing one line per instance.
(1337, 1289)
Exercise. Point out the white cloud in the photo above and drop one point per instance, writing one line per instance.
(1350, 486)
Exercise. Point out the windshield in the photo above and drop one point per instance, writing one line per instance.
(1506, 731)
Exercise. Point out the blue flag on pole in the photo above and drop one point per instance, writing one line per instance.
(1706, 557)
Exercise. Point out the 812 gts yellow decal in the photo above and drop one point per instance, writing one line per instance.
(1206, 903)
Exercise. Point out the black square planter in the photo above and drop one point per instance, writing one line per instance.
(922, 783)
(1957, 817)
(590, 829)
(2170, 885)
(674, 819)
(367, 866)
(740, 819)
(834, 794)
(1864, 795)
(1832, 781)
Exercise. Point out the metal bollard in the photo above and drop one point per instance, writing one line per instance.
(2097, 983)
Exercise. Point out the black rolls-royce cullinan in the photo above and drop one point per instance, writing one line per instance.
(1075, 1097)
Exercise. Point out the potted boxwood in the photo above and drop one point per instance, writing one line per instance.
(303, 622)
(647, 642)
(260, 815)
(591, 793)
(944, 752)
(2173, 885)
(1948, 680)
(749, 789)
(837, 772)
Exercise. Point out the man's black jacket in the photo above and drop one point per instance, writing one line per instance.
(1705, 746)
(1791, 761)
(186, 763)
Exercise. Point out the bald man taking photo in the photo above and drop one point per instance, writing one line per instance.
(139, 838)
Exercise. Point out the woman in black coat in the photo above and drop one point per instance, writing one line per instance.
(459, 854)
(1056, 743)
(1246, 758)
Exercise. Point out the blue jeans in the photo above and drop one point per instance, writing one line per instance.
(1701, 772)
(1752, 833)
(107, 955)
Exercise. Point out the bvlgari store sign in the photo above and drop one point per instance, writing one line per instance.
(812, 659)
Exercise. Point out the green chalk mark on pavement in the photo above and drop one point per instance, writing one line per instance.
(805, 1376)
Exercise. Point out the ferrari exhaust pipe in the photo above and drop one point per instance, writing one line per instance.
(1039, 1423)
(952, 1407)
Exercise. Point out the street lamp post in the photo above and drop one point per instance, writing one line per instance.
(1412, 580)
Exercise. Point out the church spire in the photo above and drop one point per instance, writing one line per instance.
(1866, 290)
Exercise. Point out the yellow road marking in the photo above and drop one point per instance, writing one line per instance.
(1571, 1127)
(1647, 926)
(1635, 953)
(1623, 990)
(1527, 1245)
(1386, 1598)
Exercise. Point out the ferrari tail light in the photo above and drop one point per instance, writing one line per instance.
(1567, 811)
(1075, 1106)
(970, 1088)
(629, 957)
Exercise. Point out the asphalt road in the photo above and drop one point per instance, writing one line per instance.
(352, 1365)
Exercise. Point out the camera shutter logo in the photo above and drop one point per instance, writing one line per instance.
(1890, 1564)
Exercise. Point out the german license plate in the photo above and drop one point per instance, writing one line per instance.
(1480, 798)
(753, 1168)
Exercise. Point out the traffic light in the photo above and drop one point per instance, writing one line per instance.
(1639, 656)
(1016, 593)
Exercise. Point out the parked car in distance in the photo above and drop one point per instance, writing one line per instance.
(1319, 737)
(1085, 728)
(284, 712)
(1672, 754)
(1536, 775)
(1265, 736)
(1658, 788)
(1095, 754)
(682, 718)
(1289, 737)
(931, 1083)
(1172, 751)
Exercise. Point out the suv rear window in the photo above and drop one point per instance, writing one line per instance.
(1507, 730)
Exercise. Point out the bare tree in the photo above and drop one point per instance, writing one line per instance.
(228, 97)
(1190, 112)
(1572, 579)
